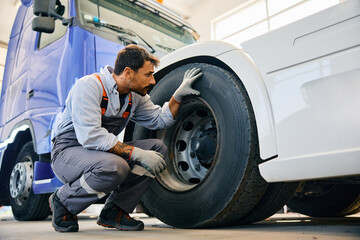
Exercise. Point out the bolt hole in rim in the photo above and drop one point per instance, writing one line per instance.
(21, 180)
(193, 146)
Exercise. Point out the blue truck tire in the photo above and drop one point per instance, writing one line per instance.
(24, 203)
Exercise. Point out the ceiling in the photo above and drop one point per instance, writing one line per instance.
(7, 16)
(182, 7)
(9, 8)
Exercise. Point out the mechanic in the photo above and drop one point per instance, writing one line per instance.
(87, 155)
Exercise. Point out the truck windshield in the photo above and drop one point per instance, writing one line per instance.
(148, 27)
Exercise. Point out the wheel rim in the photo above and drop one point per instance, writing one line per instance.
(21, 180)
(193, 146)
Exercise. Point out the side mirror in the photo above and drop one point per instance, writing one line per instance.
(47, 11)
(43, 24)
(43, 7)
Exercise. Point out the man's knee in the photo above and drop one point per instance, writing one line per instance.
(114, 170)
(159, 146)
(120, 166)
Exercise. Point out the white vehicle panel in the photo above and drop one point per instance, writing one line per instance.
(312, 74)
(330, 164)
(317, 119)
(332, 30)
(316, 105)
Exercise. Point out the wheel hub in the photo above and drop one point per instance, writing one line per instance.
(205, 146)
(20, 181)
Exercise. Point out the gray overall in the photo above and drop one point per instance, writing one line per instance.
(89, 175)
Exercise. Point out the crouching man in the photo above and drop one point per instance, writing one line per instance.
(87, 156)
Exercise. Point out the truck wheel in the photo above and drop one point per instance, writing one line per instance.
(141, 208)
(212, 176)
(24, 203)
(327, 200)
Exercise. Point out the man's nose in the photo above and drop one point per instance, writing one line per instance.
(152, 80)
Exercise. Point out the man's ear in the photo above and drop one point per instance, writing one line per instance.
(129, 73)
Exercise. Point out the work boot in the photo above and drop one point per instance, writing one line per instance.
(112, 216)
(62, 219)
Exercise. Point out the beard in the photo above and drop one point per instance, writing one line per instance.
(141, 92)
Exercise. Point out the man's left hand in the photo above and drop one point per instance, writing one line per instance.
(190, 76)
(141, 171)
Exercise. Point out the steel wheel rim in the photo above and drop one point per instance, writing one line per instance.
(21, 181)
(193, 146)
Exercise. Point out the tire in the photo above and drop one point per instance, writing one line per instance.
(327, 200)
(212, 176)
(141, 208)
(276, 196)
(24, 203)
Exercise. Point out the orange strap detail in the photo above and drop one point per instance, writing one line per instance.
(105, 98)
(128, 109)
(104, 101)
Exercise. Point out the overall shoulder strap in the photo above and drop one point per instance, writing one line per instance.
(128, 108)
(104, 101)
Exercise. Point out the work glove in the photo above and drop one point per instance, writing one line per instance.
(190, 76)
(147, 162)
(141, 171)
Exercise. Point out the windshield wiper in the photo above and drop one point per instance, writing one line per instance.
(127, 40)
(123, 31)
(168, 49)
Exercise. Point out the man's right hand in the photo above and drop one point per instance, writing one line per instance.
(152, 161)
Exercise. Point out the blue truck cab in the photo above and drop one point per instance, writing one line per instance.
(52, 44)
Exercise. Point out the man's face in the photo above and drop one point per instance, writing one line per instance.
(143, 79)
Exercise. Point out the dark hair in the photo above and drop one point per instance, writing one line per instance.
(133, 56)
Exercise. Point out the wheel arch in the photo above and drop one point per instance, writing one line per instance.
(21, 133)
(240, 64)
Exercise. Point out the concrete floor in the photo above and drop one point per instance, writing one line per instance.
(280, 227)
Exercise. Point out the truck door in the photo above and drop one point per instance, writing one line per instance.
(18, 78)
(49, 64)
(10, 61)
